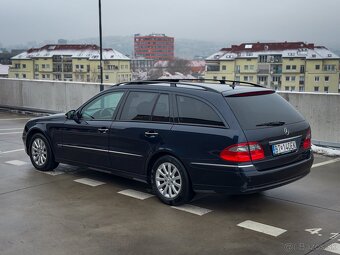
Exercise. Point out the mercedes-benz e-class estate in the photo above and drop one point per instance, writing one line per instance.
(180, 137)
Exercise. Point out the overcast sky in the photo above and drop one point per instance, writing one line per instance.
(210, 20)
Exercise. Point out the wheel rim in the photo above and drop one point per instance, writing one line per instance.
(168, 180)
(39, 152)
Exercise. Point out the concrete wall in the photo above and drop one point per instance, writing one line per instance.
(321, 110)
(56, 96)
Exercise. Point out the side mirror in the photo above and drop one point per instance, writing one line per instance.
(70, 114)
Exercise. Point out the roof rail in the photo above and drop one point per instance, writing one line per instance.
(174, 81)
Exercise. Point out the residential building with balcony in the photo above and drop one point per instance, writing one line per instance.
(71, 62)
(290, 66)
(154, 46)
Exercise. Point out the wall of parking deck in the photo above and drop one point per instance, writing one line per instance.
(321, 110)
(58, 96)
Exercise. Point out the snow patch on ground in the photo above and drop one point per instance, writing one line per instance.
(326, 151)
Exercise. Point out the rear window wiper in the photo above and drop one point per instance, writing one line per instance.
(272, 124)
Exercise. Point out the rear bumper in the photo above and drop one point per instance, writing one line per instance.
(243, 180)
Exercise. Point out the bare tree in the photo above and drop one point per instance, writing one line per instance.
(179, 65)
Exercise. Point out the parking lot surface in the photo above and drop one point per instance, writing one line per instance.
(75, 210)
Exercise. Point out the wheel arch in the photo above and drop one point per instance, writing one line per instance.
(31, 133)
(158, 155)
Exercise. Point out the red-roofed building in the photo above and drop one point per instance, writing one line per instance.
(293, 66)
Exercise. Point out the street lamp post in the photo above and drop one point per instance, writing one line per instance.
(101, 45)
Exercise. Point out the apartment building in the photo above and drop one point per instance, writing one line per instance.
(154, 46)
(71, 62)
(290, 66)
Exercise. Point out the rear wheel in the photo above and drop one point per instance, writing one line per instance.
(41, 153)
(170, 181)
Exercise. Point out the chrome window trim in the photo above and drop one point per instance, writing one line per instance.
(101, 150)
(221, 165)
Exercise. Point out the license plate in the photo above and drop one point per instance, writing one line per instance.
(284, 148)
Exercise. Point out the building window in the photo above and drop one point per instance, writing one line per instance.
(301, 88)
(106, 77)
(326, 89)
(77, 66)
(24, 66)
(294, 67)
(329, 67)
(17, 75)
(292, 78)
(48, 76)
(292, 88)
(251, 67)
(245, 78)
(317, 67)
(317, 78)
(287, 78)
(43, 76)
(316, 89)
(47, 66)
(24, 76)
(286, 88)
(43, 66)
(17, 66)
(287, 67)
(81, 66)
(224, 67)
(326, 78)
(246, 67)
(251, 78)
(215, 77)
(223, 77)
(237, 78)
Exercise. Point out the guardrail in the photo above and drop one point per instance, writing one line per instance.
(320, 109)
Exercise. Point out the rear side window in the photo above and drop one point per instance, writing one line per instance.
(193, 111)
(161, 113)
(256, 110)
(138, 106)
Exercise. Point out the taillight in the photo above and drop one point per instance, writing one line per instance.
(307, 143)
(243, 152)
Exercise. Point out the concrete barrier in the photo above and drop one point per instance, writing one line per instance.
(321, 110)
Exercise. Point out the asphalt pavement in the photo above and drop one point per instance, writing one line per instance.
(75, 210)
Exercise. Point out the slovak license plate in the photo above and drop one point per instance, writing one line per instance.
(283, 148)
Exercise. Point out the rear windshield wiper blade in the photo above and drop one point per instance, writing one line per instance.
(271, 124)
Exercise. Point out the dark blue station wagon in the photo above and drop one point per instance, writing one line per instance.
(180, 137)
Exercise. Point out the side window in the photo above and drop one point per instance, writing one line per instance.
(103, 107)
(161, 112)
(138, 106)
(193, 111)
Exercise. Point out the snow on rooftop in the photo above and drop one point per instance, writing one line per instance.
(91, 52)
(287, 50)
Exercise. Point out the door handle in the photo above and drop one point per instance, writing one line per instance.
(150, 133)
(103, 130)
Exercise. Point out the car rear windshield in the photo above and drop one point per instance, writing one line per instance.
(254, 111)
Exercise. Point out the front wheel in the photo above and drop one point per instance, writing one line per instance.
(170, 181)
(41, 154)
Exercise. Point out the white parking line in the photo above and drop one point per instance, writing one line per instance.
(17, 119)
(326, 162)
(262, 228)
(90, 182)
(135, 194)
(334, 248)
(10, 133)
(8, 129)
(16, 162)
(5, 152)
(192, 209)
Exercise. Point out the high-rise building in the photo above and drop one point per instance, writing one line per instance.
(154, 46)
(71, 62)
(290, 66)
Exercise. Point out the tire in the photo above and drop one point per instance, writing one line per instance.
(41, 153)
(170, 181)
